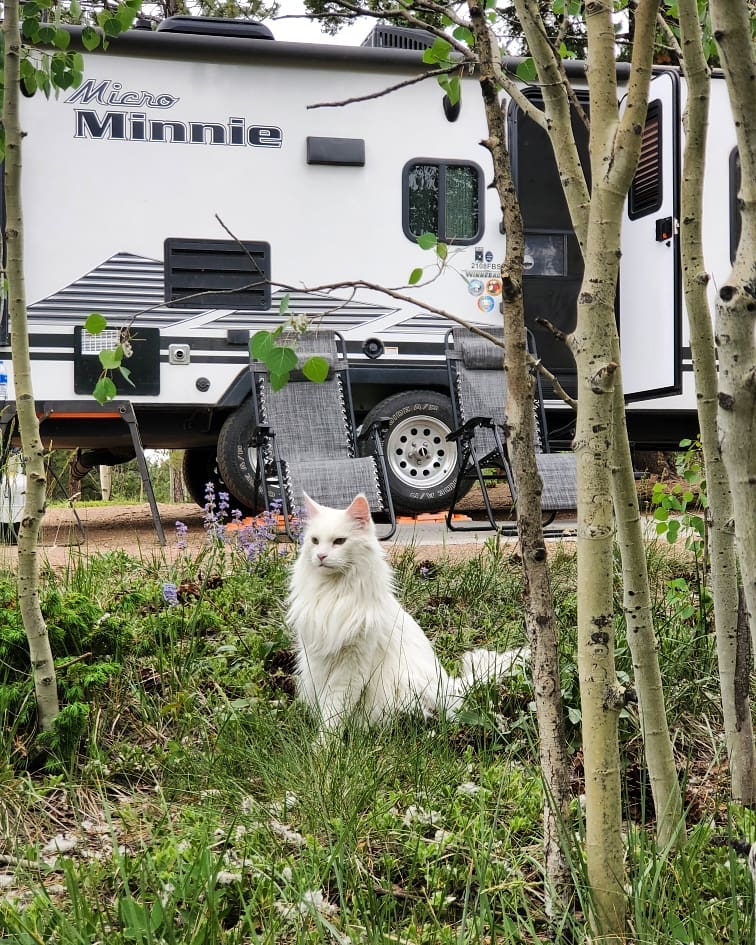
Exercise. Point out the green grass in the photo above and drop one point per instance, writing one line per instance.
(191, 805)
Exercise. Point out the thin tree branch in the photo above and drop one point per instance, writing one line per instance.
(389, 89)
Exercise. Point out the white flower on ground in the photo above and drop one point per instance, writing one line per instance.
(419, 815)
(468, 788)
(311, 899)
(61, 843)
(286, 834)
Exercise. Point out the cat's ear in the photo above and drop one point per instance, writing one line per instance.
(311, 506)
(359, 511)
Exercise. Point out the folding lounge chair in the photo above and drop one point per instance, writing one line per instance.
(478, 387)
(305, 438)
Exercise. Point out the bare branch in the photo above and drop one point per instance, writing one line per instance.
(670, 36)
(389, 89)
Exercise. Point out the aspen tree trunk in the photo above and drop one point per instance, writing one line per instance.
(736, 300)
(614, 149)
(540, 618)
(657, 742)
(176, 490)
(106, 482)
(724, 575)
(43, 668)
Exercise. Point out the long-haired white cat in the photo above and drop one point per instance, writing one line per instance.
(357, 650)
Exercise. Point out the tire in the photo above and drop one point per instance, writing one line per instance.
(200, 467)
(422, 466)
(237, 461)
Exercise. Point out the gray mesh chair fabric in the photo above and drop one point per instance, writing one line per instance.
(305, 437)
(478, 385)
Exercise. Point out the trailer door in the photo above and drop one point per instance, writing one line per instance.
(650, 317)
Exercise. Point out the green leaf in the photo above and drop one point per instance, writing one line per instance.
(62, 39)
(111, 358)
(454, 89)
(442, 250)
(279, 381)
(46, 35)
(526, 71)
(95, 323)
(315, 369)
(260, 345)
(281, 360)
(126, 375)
(438, 52)
(75, 10)
(90, 38)
(125, 15)
(30, 29)
(283, 305)
(30, 83)
(427, 240)
(415, 276)
(464, 35)
(574, 715)
(104, 391)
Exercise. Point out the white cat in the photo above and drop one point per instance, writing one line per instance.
(357, 650)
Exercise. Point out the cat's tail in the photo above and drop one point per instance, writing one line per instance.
(481, 666)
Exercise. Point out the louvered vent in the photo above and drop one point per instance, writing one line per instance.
(399, 37)
(646, 189)
(207, 274)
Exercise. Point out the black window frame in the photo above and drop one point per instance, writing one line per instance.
(636, 207)
(442, 164)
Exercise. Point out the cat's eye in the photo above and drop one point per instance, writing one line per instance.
(314, 540)
(339, 541)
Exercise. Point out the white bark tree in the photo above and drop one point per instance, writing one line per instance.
(43, 667)
(732, 661)
(736, 299)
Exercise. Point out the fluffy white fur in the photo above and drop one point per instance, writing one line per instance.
(357, 649)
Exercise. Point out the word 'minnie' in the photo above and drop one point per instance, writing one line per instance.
(137, 126)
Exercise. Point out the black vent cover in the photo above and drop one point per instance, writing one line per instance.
(226, 273)
(646, 189)
(215, 26)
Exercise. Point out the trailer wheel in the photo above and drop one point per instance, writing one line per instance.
(200, 468)
(422, 466)
(237, 461)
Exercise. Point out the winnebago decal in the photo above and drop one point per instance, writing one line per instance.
(125, 115)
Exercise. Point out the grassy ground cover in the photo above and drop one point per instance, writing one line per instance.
(181, 798)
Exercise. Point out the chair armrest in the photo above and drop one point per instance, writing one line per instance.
(469, 427)
(259, 434)
(377, 430)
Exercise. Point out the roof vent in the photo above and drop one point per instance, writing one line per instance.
(216, 26)
(399, 37)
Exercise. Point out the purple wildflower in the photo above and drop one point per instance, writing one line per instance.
(170, 594)
(182, 532)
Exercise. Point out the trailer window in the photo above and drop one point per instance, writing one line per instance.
(444, 198)
(646, 189)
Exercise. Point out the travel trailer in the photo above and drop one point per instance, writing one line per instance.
(204, 171)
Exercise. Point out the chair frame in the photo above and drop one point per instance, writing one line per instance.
(471, 466)
(263, 440)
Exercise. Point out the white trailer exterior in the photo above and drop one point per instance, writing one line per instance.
(171, 132)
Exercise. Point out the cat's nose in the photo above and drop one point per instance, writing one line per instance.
(322, 555)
